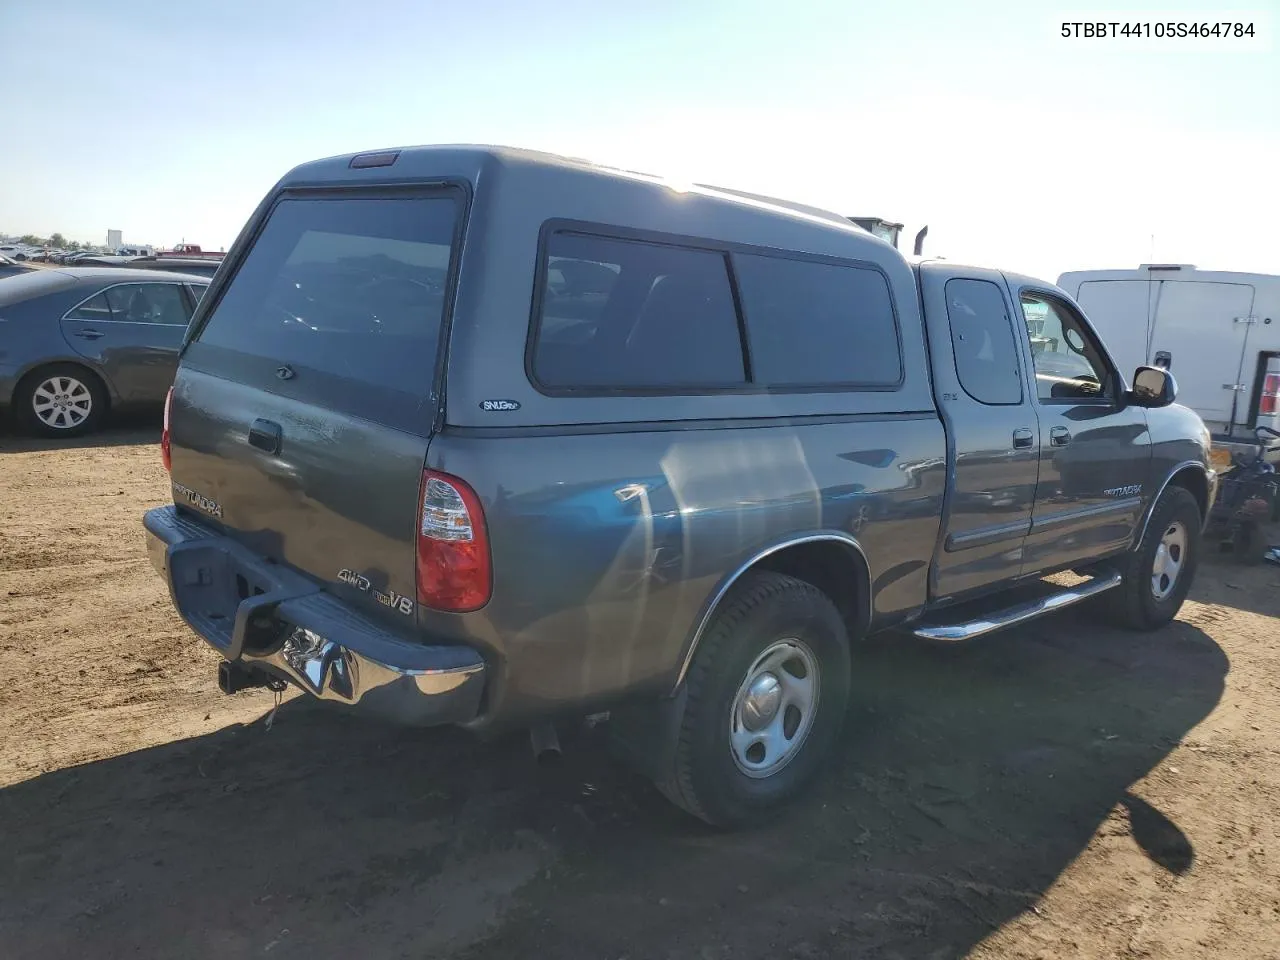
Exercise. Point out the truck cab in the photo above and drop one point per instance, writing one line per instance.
(1054, 464)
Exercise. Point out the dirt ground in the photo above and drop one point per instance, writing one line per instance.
(1059, 790)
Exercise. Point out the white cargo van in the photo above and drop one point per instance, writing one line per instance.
(1218, 332)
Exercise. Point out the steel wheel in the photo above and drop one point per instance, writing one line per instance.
(774, 708)
(762, 705)
(1170, 555)
(62, 402)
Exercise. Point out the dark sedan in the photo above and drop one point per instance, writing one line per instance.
(77, 341)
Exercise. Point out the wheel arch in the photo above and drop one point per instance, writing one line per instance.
(830, 560)
(33, 368)
(1192, 476)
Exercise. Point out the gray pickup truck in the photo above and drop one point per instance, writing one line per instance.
(487, 437)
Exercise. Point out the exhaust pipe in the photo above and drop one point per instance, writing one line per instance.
(232, 678)
(545, 743)
(919, 247)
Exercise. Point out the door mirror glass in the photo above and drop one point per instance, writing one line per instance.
(1153, 387)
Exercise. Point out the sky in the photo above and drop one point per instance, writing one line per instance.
(1019, 148)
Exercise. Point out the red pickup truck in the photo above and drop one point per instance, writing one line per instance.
(190, 250)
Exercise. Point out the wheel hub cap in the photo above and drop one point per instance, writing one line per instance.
(1171, 555)
(774, 708)
(761, 704)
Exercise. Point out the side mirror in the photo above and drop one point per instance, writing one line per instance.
(1153, 387)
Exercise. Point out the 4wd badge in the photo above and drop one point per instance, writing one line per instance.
(499, 406)
(396, 601)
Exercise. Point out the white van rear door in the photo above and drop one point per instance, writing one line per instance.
(1118, 310)
(1205, 328)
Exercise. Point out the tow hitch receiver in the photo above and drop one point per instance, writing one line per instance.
(232, 678)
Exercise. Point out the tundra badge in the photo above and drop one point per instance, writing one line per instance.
(211, 507)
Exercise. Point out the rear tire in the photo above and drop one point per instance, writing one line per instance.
(765, 698)
(60, 400)
(1158, 574)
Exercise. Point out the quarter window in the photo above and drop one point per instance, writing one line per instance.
(1068, 363)
(622, 315)
(94, 309)
(982, 342)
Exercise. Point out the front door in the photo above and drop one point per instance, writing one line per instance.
(1095, 450)
(985, 401)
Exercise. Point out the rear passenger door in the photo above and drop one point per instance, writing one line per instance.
(993, 435)
(1095, 450)
(133, 331)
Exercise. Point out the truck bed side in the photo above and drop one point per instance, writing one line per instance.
(606, 555)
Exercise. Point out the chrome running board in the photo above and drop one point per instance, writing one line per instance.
(956, 632)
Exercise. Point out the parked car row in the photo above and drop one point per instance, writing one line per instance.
(202, 263)
(17, 251)
(67, 257)
(75, 342)
(9, 267)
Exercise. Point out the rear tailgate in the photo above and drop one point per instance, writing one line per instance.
(305, 400)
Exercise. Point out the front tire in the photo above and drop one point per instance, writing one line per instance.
(1158, 575)
(60, 400)
(766, 697)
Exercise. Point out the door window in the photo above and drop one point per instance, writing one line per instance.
(1068, 362)
(982, 339)
(148, 303)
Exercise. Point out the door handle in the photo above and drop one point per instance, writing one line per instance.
(1059, 436)
(265, 435)
(88, 334)
(1023, 437)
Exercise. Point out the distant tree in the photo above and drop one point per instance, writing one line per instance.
(31, 240)
(58, 240)
(73, 245)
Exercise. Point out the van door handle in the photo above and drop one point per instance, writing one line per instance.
(265, 435)
(1059, 436)
(1023, 437)
(88, 334)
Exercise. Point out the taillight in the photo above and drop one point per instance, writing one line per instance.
(166, 443)
(455, 573)
(1270, 391)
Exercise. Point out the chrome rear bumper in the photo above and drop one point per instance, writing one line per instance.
(267, 617)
